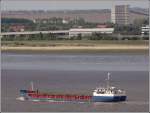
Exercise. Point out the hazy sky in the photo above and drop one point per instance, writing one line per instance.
(68, 4)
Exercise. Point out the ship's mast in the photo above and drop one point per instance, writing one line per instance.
(108, 78)
(31, 83)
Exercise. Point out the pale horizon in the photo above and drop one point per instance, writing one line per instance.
(15, 5)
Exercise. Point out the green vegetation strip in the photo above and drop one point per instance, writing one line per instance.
(72, 43)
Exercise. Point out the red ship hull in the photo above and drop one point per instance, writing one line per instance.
(27, 94)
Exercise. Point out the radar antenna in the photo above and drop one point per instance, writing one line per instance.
(32, 87)
(108, 82)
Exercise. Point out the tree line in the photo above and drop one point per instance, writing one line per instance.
(51, 36)
(57, 23)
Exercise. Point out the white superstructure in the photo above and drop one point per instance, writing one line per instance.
(111, 91)
(108, 91)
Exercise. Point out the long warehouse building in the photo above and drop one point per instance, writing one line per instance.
(89, 31)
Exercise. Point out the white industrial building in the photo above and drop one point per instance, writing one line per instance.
(89, 31)
(145, 30)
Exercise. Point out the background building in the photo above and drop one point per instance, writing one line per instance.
(120, 14)
(89, 31)
(145, 30)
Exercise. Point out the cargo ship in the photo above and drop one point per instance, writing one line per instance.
(100, 94)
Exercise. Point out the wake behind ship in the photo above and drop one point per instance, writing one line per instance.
(100, 94)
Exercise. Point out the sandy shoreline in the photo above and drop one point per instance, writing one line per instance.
(56, 48)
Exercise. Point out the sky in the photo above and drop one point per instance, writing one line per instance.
(68, 4)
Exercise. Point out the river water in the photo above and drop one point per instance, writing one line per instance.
(74, 73)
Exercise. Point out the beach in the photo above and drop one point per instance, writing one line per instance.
(77, 46)
(106, 48)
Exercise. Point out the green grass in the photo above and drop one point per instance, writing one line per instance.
(74, 43)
